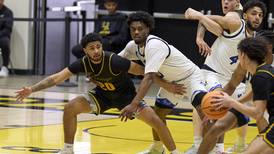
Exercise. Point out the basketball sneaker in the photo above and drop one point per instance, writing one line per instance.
(152, 151)
(4, 71)
(66, 151)
(192, 150)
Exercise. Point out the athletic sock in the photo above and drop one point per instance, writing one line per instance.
(197, 141)
(219, 147)
(157, 145)
(68, 146)
(174, 152)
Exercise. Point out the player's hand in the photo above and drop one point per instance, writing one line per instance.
(192, 14)
(175, 88)
(128, 111)
(23, 93)
(222, 101)
(204, 48)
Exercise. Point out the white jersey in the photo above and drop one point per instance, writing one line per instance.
(224, 55)
(159, 56)
(272, 61)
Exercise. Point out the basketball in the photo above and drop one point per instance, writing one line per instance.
(209, 110)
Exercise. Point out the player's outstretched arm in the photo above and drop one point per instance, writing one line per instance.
(45, 83)
(175, 88)
(129, 110)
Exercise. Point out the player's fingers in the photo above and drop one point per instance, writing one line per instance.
(219, 107)
(122, 117)
(19, 99)
(126, 119)
(200, 47)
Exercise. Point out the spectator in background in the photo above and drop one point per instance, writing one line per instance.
(113, 29)
(5, 32)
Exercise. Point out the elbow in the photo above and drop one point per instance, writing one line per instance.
(150, 76)
(219, 32)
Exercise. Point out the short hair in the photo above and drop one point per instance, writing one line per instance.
(114, 1)
(252, 3)
(267, 35)
(143, 17)
(91, 37)
(254, 48)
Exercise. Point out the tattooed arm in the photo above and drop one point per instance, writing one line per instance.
(45, 83)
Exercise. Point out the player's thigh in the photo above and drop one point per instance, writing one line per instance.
(229, 121)
(211, 80)
(259, 146)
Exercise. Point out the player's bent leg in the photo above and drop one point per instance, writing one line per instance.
(197, 128)
(162, 108)
(242, 122)
(149, 117)
(222, 125)
(71, 110)
(162, 113)
(259, 146)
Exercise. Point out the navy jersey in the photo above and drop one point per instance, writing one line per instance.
(263, 87)
(111, 74)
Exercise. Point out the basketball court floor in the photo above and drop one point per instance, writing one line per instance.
(35, 126)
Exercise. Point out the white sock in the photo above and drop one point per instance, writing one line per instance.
(174, 152)
(219, 147)
(68, 146)
(197, 140)
(157, 145)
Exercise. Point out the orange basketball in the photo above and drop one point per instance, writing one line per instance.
(210, 110)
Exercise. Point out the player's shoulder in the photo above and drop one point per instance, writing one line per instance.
(233, 14)
(131, 44)
(155, 41)
(265, 71)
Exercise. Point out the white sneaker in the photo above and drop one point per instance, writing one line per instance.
(152, 151)
(4, 72)
(192, 150)
(66, 151)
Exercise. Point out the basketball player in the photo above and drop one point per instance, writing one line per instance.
(114, 90)
(222, 61)
(239, 74)
(252, 52)
(159, 57)
(204, 49)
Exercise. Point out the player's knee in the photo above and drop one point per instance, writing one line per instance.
(75, 106)
(162, 113)
(68, 108)
(218, 128)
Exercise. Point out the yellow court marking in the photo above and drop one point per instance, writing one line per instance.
(101, 136)
(23, 136)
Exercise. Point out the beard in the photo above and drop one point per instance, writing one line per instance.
(249, 26)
